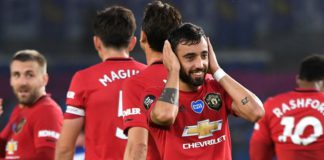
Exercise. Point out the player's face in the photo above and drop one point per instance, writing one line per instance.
(27, 80)
(194, 62)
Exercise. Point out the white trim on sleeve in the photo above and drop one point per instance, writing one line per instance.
(75, 110)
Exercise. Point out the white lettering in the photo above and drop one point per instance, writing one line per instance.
(117, 75)
(70, 94)
(299, 103)
(48, 133)
(75, 110)
(204, 143)
(277, 112)
(131, 111)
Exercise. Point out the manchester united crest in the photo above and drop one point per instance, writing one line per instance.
(19, 125)
(213, 101)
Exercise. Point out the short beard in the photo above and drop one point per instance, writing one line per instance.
(187, 79)
(28, 101)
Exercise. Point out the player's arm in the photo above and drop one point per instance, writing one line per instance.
(66, 143)
(136, 148)
(261, 144)
(245, 103)
(166, 108)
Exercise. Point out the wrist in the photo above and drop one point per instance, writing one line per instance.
(219, 74)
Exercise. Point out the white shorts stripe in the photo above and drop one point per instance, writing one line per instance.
(74, 110)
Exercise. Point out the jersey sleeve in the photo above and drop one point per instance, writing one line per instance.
(75, 98)
(47, 123)
(134, 115)
(261, 145)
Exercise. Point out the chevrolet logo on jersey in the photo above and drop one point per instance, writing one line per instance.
(203, 129)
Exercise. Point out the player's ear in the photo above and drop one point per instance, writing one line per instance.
(45, 79)
(132, 43)
(97, 43)
(143, 38)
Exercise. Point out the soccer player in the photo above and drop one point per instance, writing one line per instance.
(292, 127)
(194, 125)
(95, 97)
(158, 21)
(35, 123)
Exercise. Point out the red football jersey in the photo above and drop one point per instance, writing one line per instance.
(201, 128)
(96, 94)
(31, 128)
(136, 104)
(292, 127)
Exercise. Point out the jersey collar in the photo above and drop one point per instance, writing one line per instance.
(119, 59)
(306, 90)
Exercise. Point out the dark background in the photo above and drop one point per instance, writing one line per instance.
(258, 42)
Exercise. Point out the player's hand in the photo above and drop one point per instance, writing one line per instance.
(213, 64)
(170, 60)
(1, 110)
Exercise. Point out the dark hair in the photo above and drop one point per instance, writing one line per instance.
(158, 21)
(30, 55)
(187, 34)
(312, 68)
(115, 26)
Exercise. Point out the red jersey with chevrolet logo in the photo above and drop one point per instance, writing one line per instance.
(201, 128)
(31, 128)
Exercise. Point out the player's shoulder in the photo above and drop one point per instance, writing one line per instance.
(47, 103)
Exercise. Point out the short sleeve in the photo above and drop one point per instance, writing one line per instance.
(134, 115)
(261, 145)
(75, 97)
(47, 123)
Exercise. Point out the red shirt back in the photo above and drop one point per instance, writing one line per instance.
(136, 103)
(293, 126)
(96, 93)
(31, 128)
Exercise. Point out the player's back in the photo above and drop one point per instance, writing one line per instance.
(138, 101)
(97, 90)
(295, 120)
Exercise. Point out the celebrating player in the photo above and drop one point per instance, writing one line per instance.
(159, 19)
(292, 127)
(195, 125)
(95, 97)
(35, 123)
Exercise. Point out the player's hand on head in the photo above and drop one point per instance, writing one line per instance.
(213, 63)
(1, 109)
(170, 60)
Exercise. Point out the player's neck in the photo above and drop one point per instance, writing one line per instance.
(309, 85)
(153, 56)
(113, 53)
(185, 87)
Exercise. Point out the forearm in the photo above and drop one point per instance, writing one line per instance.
(245, 103)
(166, 108)
(64, 153)
(136, 148)
(66, 144)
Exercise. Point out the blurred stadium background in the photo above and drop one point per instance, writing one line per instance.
(258, 42)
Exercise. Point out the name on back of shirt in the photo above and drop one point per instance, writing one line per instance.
(117, 75)
(299, 103)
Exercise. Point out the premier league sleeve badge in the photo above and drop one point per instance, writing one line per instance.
(213, 101)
